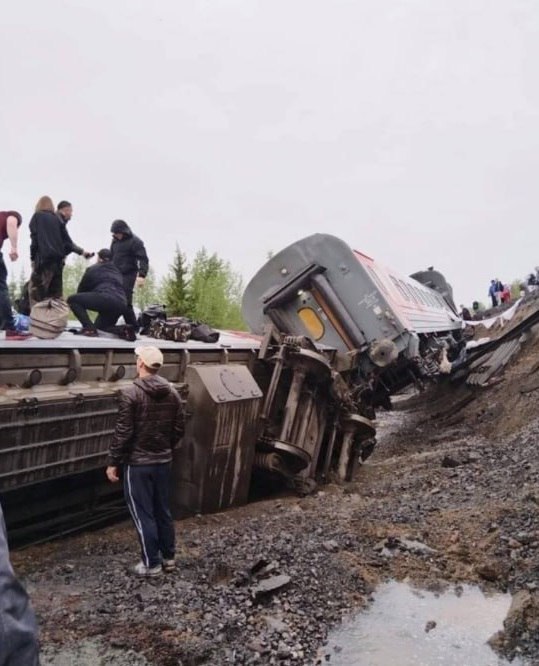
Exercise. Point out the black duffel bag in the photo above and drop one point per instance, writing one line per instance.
(203, 332)
(150, 314)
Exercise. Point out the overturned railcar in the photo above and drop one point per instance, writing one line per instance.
(392, 329)
(334, 335)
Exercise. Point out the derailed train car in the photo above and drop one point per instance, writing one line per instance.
(338, 334)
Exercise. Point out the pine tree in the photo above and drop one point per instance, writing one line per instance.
(214, 293)
(149, 293)
(175, 285)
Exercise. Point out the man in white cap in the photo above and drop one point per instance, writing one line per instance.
(149, 426)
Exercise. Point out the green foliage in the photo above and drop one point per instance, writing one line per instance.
(149, 293)
(208, 290)
(15, 287)
(175, 285)
(516, 286)
(73, 272)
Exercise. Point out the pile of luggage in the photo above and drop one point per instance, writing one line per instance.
(154, 323)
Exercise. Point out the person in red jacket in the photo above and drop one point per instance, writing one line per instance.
(10, 221)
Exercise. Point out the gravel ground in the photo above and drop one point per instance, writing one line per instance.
(450, 496)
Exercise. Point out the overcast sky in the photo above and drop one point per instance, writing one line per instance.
(409, 128)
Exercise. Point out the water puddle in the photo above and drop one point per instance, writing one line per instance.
(412, 627)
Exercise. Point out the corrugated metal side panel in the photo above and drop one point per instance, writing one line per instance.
(41, 441)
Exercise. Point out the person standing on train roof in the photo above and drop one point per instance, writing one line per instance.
(149, 426)
(129, 255)
(19, 645)
(10, 221)
(49, 246)
(64, 210)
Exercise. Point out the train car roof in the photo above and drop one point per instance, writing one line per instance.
(68, 340)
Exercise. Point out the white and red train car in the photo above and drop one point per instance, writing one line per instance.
(344, 299)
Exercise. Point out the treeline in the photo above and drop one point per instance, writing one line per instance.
(206, 289)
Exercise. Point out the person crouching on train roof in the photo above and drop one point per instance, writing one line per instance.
(101, 290)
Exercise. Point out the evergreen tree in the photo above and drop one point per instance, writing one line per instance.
(149, 293)
(214, 293)
(175, 286)
(73, 272)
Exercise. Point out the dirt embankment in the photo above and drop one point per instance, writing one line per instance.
(450, 496)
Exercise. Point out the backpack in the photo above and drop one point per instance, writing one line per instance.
(49, 318)
(149, 315)
(177, 329)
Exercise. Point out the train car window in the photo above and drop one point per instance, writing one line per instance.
(423, 296)
(408, 289)
(399, 288)
(417, 294)
(376, 280)
(312, 322)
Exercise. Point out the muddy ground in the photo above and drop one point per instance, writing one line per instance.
(456, 471)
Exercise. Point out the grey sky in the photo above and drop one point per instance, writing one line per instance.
(408, 128)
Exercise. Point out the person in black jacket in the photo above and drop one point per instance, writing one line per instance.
(49, 245)
(18, 628)
(129, 255)
(64, 210)
(101, 289)
(149, 426)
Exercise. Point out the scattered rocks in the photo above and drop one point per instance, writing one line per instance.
(270, 585)
(397, 543)
(262, 584)
(431, 624)
(521, 626)
(331, 546)
(493, 570)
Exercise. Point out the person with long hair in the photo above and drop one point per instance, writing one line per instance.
(49, 245)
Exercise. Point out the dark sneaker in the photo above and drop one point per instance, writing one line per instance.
(141, 569)
(90, 332)
(129, 333)
(169, 565)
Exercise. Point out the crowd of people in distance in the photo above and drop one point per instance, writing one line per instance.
(105, 288)
(533, 279)
(499, 292)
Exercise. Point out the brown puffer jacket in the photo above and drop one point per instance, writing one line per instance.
(150, 423)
